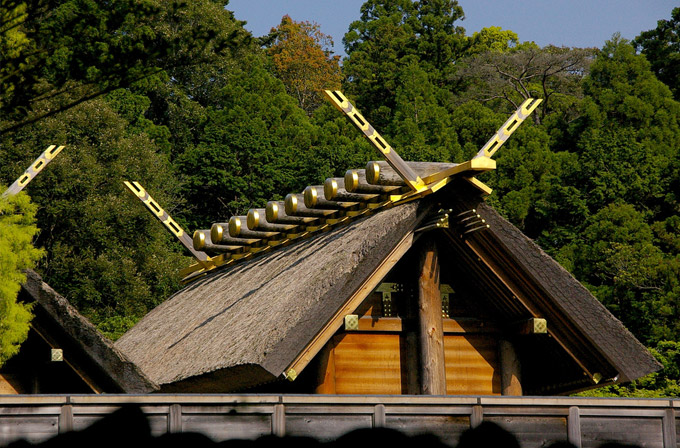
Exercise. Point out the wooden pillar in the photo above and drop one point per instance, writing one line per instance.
(511, 379)
(430, 325)
(326, 374)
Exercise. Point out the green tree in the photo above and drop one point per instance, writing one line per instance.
(661, 47)
(391, 34)
(76, 50)
(104, 251)
(17, 229)
(492, 39)
(505, 79)
(627, 146)
(255, 144)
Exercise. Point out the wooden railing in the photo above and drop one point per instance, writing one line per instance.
(535, 421)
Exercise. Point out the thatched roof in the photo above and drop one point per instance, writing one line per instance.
(247, 323)
(597, 336)
(244, 325)
(94, 356)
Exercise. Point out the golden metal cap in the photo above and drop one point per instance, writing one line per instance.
(311, 196)
(234, 226)
(216, 233)
(372, 172)
(253, 219)
(330, 188)
(291, 204)
(272, 211)
(351, 180)
(199, 240)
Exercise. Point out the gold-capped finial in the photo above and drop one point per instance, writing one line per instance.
(272, 211)
(234, 226)
(253, 219)
(216, 233)
(199, 240)
(351, 180)
(372, 172)
(311, 196)
(291, 204)
(330, 189)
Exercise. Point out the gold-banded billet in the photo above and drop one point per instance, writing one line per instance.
(199, 239)
(351, 180)
(253, 219)
(311, 195)
(330, 188)
(272, 211)
(292, 203)
(372, 172)
(235, 225)
(217, 232)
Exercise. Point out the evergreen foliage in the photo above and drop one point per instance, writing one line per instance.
(179, 97)
(17, 228)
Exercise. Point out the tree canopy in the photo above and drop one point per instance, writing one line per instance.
(211, 121)
(17, 228)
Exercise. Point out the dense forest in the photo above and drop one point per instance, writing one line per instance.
(212, 121)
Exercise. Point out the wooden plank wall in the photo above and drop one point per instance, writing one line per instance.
(372, 363)
(536, 421)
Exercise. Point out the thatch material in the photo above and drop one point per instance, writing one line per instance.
(244, 325)
(85, 348)
(572, 300)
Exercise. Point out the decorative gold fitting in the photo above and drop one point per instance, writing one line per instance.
(253, 219)
(290, 375)
(57, 355)
(291, 204)
(216, 233)
(330, 189)
(466, 212)
(351, 322)
(372, 172)
(310, 196)
(199, 240)
(272, 211)
(234, 226)
(351, 180)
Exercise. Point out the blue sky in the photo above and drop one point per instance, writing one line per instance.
(571, 23)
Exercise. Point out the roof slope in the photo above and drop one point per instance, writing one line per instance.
(85, 348)
(257, 316)
(604, 331)
(246, 324)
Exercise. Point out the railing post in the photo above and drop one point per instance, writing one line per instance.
(669, 436)
(379, 416)
(175, 419)
(279, 420)
(574, 427)
(66, 419)
(477, 416)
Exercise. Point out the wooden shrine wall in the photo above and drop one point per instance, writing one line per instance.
(377, 363)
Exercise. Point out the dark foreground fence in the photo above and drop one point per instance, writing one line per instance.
(536, 422)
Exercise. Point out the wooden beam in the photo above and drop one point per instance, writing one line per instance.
(459, 325)
(430, 331)
(511, 373)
